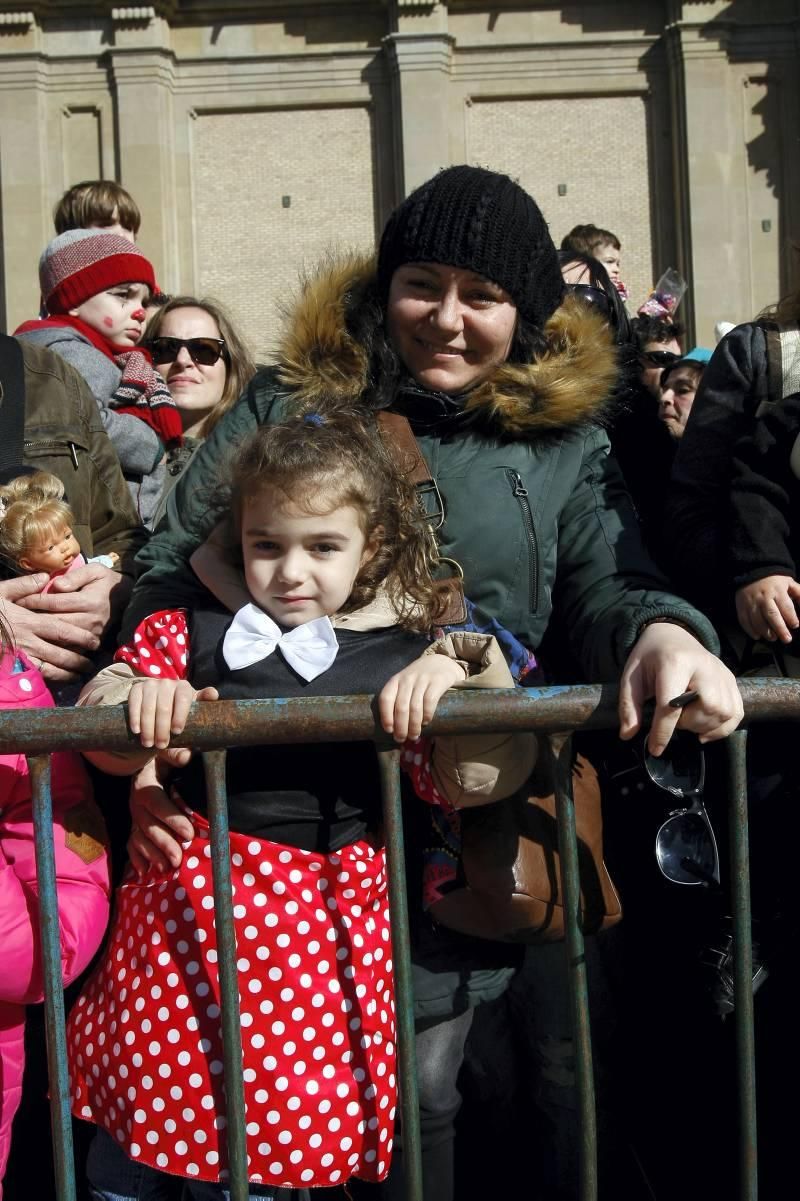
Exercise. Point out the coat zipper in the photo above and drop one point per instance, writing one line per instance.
(55, 443)
(521, 493)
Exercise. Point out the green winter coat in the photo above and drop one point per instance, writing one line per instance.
(536, 513)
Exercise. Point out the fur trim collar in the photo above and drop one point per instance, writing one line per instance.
(323, 361)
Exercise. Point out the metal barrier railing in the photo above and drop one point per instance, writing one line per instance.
(553, 711)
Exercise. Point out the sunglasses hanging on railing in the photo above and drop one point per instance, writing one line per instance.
(686, 848)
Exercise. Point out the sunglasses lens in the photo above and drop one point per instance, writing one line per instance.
(687, 851)
(204, 351)
(661, 358)
(679, 768)
(590, 295)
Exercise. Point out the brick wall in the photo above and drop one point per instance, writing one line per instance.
(597, 146)
(249, 248)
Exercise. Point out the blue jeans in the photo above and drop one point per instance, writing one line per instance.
(113, 1176)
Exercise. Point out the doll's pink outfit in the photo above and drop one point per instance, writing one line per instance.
(77, 562)
(81, 874)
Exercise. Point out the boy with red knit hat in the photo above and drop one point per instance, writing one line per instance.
(95, 288)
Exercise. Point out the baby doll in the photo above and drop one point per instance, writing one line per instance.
(36, 528)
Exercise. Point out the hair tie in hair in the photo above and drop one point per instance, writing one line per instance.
(313, 419)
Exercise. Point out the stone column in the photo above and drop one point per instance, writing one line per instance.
(24, 222)
(734, 187)
(143, 81)
(419, 54)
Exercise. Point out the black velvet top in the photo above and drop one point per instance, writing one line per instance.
(316, 796)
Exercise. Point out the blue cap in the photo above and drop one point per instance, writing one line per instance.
(698, 356)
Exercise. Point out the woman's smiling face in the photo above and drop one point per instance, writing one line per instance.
(450, 326)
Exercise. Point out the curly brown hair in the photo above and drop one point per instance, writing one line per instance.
(323, 461)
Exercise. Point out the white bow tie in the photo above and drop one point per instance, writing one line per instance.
(252, 635)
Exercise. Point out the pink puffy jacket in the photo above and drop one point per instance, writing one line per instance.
(81, 873)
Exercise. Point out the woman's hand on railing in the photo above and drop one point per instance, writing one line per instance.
(665, 662)
(159, 827)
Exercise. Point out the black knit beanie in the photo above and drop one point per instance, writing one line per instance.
(477, 219)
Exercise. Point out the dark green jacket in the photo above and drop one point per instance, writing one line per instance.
(63, 434)
(536, 513)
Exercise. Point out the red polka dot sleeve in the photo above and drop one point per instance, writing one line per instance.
(160, 646)
(415, 760)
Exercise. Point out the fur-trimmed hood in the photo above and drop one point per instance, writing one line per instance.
(322, 358)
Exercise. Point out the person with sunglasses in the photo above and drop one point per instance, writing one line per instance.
(207, 365)
(637, 438)
(658, 344)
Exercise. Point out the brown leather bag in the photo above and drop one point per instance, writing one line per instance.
(509, 849)
(512, 868)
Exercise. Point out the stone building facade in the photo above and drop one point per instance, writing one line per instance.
(258, 134)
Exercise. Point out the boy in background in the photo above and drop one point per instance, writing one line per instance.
(602, 245)
(98, 204)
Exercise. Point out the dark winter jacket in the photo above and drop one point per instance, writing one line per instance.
(765, 496)
(63, 434)
(140, 450)
(697, 524)
(535, 510)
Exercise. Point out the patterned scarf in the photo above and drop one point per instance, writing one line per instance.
(142, 391)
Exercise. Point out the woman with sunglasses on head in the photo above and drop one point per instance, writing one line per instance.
(207, 366)
(461, 326)
(636, 436)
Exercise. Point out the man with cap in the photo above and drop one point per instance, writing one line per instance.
(679, 383)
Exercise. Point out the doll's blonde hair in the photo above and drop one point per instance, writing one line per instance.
(32, 508)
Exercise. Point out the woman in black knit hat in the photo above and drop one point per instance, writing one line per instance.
(462, 327)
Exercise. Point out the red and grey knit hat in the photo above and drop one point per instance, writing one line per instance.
(82, 262)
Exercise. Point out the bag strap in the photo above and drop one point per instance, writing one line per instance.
(398, 438)
(12, 402)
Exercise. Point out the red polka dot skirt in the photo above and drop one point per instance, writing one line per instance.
(317, 1012)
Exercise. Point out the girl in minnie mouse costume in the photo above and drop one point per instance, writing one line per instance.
(338, 600)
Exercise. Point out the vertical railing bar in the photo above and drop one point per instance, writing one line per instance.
(561, 751)
(743, 967)
(235, 1127)
(389, 764)
(50, 934)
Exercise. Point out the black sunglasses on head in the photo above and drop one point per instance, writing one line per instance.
(591, 295)
(660, 358)
(205, 352)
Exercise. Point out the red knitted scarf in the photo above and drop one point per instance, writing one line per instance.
(142, 391)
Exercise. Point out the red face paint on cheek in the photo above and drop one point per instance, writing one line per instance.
(108, 322)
